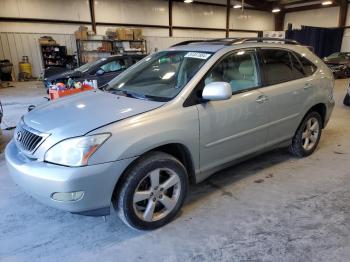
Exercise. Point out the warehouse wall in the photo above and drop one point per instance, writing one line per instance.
(323, 17)
(148, 12)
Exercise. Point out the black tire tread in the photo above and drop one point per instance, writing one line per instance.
(296, 147)
(139, 164)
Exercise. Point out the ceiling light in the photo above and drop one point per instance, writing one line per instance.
(236, 6)
(276, 10)
(327, 2)
(188, 1)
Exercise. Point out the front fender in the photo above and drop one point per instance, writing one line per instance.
(139, 134)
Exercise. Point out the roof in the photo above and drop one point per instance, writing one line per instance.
(215, 45)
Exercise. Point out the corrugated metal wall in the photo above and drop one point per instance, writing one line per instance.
(15, 45)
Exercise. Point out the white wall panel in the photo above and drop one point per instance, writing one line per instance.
(251, 20)
(323, 17)
(43, 28)
(77, 10)
(15, 45)
(153, 12)
(198, 15)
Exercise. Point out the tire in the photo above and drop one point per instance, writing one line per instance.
(299, 147)
(346, 100)
(140, 178)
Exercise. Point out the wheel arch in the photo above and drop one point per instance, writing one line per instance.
(177, 150)
(320, 108)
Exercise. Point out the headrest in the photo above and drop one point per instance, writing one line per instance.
(246, 68)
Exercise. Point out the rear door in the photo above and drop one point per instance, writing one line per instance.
(287, 89)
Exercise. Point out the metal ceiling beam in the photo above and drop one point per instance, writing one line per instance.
(343, 12)
(228, 8)
(92, 15)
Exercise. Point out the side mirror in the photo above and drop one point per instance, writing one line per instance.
(217, 91)
(100, 72)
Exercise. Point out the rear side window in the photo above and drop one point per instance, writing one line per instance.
(309, 67)
(278, 66)
(298, 71)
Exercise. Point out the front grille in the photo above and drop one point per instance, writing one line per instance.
(27, 139)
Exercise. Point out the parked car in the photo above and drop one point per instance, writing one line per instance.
(175, 118)
(339, 63)
(103, 70)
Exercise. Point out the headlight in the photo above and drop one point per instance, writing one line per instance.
(75, 151)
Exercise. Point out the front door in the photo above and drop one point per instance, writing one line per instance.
(233, 128)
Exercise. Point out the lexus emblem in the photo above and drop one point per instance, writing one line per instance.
(18, 136)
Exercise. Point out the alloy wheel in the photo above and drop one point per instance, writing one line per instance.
(157, 194)
(310, 133)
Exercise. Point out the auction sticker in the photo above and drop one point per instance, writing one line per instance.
(198, 55)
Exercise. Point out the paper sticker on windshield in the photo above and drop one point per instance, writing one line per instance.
(197, 55)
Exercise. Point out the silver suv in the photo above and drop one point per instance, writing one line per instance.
(174, 118)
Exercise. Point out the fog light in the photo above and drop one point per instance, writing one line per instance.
(69, 196)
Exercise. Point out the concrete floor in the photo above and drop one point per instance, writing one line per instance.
(271, 208)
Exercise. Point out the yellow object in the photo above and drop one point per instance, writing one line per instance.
(26, 68)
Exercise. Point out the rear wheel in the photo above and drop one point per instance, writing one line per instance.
(347, 100)
(153, 192)
(307, 136)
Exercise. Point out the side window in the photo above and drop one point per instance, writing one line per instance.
(278, 66)
(113, 66)
(238, 69)
(298, 71)
(309, 67)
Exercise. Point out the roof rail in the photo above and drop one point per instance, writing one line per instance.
(238, 41)
(188, 42)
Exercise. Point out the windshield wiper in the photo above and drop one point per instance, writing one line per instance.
(128, 93)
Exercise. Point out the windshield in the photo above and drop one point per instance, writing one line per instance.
(84, 68)
(161, 76)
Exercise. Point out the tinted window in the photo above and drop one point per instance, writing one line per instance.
(278, 66)
(309, 67)
(298, 71)
(238, 69)
(113, 66)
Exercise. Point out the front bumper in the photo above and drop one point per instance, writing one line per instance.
(41, 180)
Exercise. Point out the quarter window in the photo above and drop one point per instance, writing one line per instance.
(238, 69)
(309, 67)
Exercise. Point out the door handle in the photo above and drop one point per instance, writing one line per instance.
(262, 99)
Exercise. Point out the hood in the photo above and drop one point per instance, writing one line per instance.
(78, 114)
(67, 74)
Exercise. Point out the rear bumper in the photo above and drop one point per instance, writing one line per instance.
(41, 180)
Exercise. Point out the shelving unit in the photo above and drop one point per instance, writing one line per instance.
(93, 49)
(53, 55)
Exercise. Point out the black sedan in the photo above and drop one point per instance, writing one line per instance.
(102, 70)
(339, 63)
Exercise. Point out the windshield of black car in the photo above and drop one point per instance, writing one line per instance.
(84, 68)
(160, 76)
(339, 55)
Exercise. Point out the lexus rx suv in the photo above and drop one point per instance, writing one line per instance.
(174, 118)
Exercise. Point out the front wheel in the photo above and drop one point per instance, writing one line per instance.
(307, 136)
(153, 191)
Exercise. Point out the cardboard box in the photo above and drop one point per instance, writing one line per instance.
(47, 42)
(138, 34)
(125, 34)
(81, 35)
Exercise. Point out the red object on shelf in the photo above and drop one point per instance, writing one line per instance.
(54, 94)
